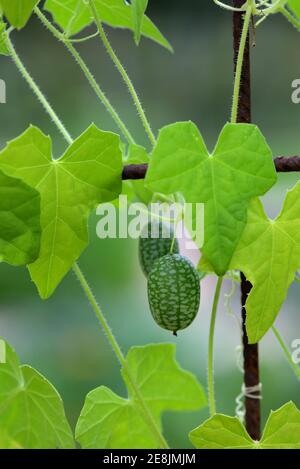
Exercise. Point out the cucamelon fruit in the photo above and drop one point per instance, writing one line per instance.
(154, 244)
(173, 292)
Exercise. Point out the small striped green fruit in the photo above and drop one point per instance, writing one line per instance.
(154, 244)
(173, 292)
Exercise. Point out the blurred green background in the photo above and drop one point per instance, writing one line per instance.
(61, 337)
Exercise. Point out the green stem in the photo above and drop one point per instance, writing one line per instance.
(100, 94)
(227, 7)
(210, 371)
(291, 18)
(286, 352)
(83, 39)
(146, 413)
(92, 300)
(123, 73)
(239, 64)
(148, 417)
(34, 87)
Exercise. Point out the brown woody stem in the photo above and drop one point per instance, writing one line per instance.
(283, 164)
(250, 352)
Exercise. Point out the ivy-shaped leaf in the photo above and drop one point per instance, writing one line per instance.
(294, 5)
(87, 174)
(74, 15)
(20, 229)
(269, 256)
(7, 442)
(18, 12)
(71, 15)
(221, 432)
(239, 168)
(109, 421)
(31, 411)
(282, 431)
(138, 11)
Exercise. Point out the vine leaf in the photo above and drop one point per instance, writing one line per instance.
(282, 431)
(31, 411)
(269, 256)
(239, 168)
(106, 417)
(20, 229)
(74, 15)
(87, 174)
(138, 11)
(294, 5)
(18, 12)
(220, 432)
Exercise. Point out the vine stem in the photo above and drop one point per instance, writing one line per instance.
(36, 90)
(250, 351)
(148, 417)
(122, 72)
(239, 63)
(145, 411)
(286, 351)
(93, 83)
(210, 367)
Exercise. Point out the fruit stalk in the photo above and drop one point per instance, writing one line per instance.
(250, 351)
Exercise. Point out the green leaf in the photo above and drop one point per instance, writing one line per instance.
(221, 432)
(138, 155)
(239, 168)
(269, 256)
(87, 174)
(18, 12)
(106, 417)
(6, 442)
(138, 10)
(282, 431)
(71, 15)
(3, 47)
(294, 5)
(31, 411)
(205, 266)
(74, 15)
(20, 229)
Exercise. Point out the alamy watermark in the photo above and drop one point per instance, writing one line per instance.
(296, 352)
(2, 352)
(127, 220)
(2, 92)
(296, 93)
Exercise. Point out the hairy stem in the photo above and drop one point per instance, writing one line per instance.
(239, 64)
(286, 352)
(95, 86)
(210, 368)
(145, 411)
(147, 415)
(34, 87)
(123, 73)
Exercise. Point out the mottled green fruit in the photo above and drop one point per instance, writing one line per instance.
(173, 292)
(155, 242)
